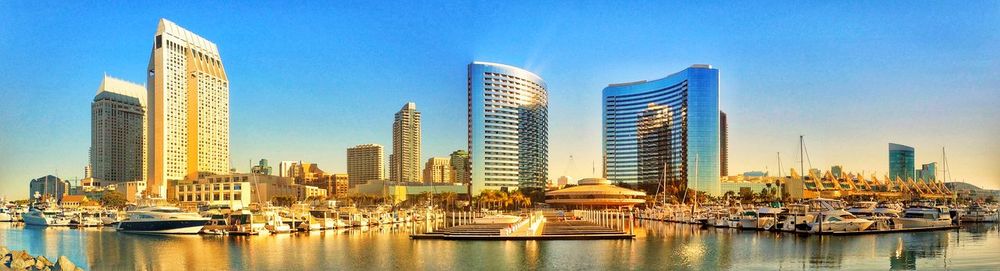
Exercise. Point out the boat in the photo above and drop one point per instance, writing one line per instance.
(40, 215)
(162, 220)
(871, 209)
(795, 214)
(6, 214)
(976, 213)
(917, 217)
(839, 221)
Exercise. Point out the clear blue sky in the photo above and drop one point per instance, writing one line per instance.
(309, 80)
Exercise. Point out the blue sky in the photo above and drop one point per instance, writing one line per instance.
(309, 80)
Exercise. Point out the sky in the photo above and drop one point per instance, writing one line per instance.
(308, 80)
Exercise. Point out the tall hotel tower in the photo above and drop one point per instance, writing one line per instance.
(188, 111)
(665, 129)
(404, 162)
(118, 132)
(364, 164)
(508, 127)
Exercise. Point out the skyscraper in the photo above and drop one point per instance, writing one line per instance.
(404, 162)
(285, 168)
(188, 108)
(460, 166)
(508, 127)
(928, 172)
(364, 163)
(724, 144)
(118, 132)
(642, 140)
(900, 161)
(438, 170)
(261, 168)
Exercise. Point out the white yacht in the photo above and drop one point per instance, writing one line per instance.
(925, 217)
(45, 217)
(6, 214)
(830, 216)
(162, 220)
(976, 213)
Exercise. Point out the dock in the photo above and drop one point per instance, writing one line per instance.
(606, 226)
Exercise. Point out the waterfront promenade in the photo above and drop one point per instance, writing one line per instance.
(657, 246)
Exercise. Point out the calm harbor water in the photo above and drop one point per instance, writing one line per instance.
(658, 245)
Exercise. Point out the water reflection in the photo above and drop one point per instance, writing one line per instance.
(658, 246)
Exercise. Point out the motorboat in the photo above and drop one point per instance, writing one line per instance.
(162, 220)
(925, 217)
(838, 221)
(40, 216)
(5, 214)
(871, 209)
(794, 214)
(980, 213)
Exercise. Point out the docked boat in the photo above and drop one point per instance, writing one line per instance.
(917, 217)
(871, 210)
(794, 214)
(162, 220)
(839, 221)
(45, 217)
(980, 213)
(6, 214)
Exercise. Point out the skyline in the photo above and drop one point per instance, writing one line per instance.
(293, 93)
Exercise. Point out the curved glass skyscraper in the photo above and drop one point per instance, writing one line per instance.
(666, 128)
(508, 127)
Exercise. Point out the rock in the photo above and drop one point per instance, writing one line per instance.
(22, 264)
(64, 264)
(42, 263)
(4, 250)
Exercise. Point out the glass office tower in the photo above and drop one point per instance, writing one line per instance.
(900, 161)
(667, 128)
(508, 127)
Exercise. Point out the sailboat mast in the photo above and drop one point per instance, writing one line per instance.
(802, 149)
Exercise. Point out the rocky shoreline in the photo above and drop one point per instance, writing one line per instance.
(21, 260)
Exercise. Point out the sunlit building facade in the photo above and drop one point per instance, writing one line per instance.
(404, 162)
(669, 126)
(364, 164)
(508, 127)
(188, 109)
(118, 132)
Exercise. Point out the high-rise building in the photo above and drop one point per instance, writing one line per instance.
(285, 168)
(118, 132)
(928, 172)
(48, 187)
(665, 127)
(460, 166)
(900, 161)
(364, 164)
(508, 127)
(404, 162)
(438, 170)
(188, 109)
(723, 144)
(261, 168)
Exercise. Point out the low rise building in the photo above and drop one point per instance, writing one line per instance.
(133, 190)
(400, 191)
(240, 190)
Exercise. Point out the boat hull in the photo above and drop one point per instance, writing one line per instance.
(163, 227)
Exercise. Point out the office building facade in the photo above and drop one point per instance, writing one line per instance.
(438, 170)
(118, 132)
(460, 166)
(404, 162)
(669, 128)
(928, 172)
(364, 164)
(187, 109)
(901, 162)
(508, 127)
(48, 187)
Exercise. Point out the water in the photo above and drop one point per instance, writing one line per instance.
(658, 246)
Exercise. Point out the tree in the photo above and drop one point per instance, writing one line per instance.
(113, 200)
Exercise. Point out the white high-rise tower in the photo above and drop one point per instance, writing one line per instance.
(188, 108)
